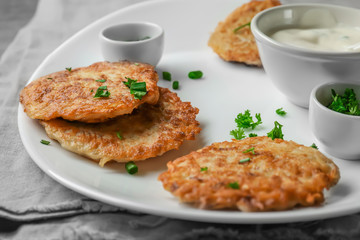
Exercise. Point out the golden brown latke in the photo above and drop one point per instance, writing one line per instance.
(149, 131)
(70, 94)
(279, 175)
(239, 46)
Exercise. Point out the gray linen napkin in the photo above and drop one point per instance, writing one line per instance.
(40, 208)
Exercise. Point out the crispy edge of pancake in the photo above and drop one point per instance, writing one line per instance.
(70, 94)
(239, 46)
(280, 175)
(174, 122)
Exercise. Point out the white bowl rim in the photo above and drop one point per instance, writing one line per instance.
(161, 32)
(297, 50)
(324, 108)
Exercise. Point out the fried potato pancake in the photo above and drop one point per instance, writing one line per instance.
(149, 131)
(279, 175)
(70, 94)
(239, 46)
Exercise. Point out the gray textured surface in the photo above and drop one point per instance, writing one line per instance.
(14, 14)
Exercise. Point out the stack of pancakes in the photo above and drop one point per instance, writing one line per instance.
(118, 126)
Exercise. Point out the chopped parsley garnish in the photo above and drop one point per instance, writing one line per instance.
(250, 150)
(203, 169)
(69, 69)
(276, 132)
(245, 120)
(138, 89)
(347, 103)
(50, 78)
(44, 142)
(195, 74)
(280, 112)
(175, 85)
(118, 134)
(242, 26)
(253, 135)
(314, 146)
(131, 167)
(102, 92)
(238, 134)
(101, 80)
(234, 185)
(166, 76)
(244, 160)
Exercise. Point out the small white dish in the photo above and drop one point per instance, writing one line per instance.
(133, 41)
(338, 133)
(296, 71)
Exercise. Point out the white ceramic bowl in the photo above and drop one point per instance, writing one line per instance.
(134, 41)
(296, 71)
(338, 133)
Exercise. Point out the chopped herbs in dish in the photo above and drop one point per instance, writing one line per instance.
(347, 103)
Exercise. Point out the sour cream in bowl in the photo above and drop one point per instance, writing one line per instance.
(304, 45)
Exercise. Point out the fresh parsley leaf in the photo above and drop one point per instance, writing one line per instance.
(101, 93)
(138, 89)
(238, 134)
(276, 132)
(69, 69)
(280, 112)
(252, 135)
(245, 120)
(195, 74)
(242, 26)
(234, 185)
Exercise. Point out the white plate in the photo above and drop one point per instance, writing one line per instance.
(226, 90)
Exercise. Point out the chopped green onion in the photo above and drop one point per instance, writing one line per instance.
(101, 80)
(244, 160)
(242, 26)
(131, 167)
(175, 85)
(45, 142)
(118, 134)
(69, 69)
(252, 150)
(203, 169)
(166, 76)
(280, 112)
(314, 146)
(101, 93)
(195, 74)
(234, 185)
